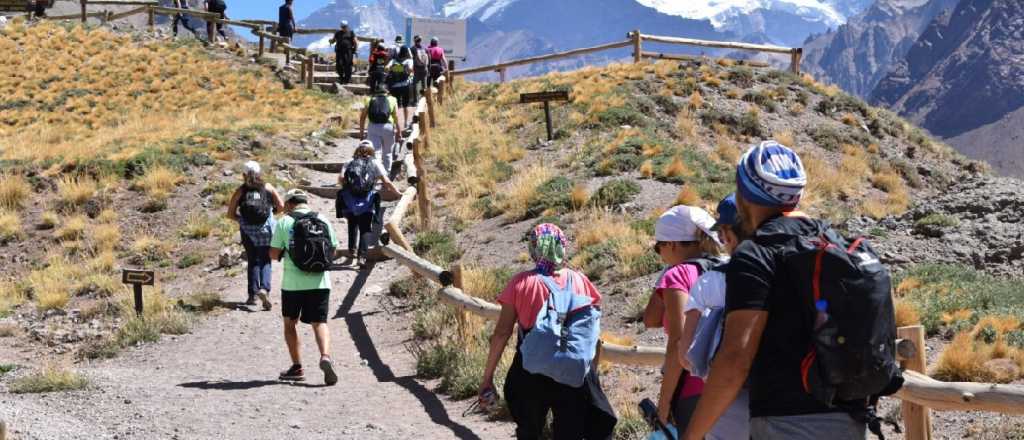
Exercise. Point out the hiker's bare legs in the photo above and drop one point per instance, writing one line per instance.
(291, 337)
(323, 338)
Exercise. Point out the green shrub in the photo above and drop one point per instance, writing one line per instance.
(761, 99)
(935, 224)
(437, 247)
(841, 103)
(189, 260)
(554, 195)
(942, 289)
(7, 368)
(47, 381)
(747, 124)
(619, 116)
(742, 77)
(615, 192)
(832, 139)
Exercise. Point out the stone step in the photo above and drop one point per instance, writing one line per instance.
(358, 89)
(323, 167)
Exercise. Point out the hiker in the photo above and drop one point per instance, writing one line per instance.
(686, 244)
(252, 205)
(541, 377)
(286, 20)
(420, 61)
(345, 47)
(359, 201)
(308, 244)
(377, 71)
(382, 111)
(36, 9)
(399, 82)
(702, 326)
(183, 19)
(395, 48)
(778, 285)
(438, 61)
(220, 8)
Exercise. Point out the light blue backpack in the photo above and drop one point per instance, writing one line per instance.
(563, 341)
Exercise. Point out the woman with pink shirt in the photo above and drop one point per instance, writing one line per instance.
(688, 246)
(578, 412)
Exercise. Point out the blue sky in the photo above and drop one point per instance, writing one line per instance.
(267, 9)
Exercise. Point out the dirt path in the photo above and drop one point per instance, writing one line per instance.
(220, 381)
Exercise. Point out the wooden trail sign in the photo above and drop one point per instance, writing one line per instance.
(546, 98)
(138, 278)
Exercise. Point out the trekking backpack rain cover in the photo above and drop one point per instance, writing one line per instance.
(360, 176)
(310, 246)
(850, 312)
(380, 109)
(563, 341)
(255, 206)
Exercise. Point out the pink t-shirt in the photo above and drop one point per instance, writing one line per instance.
(527, 293)
(680, 277)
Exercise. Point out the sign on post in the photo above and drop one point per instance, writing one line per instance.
(451, 34)
(138, 278)
(546, 98)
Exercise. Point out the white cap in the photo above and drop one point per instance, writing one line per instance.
(682, 222)
(366, 143)
(344, 22)
(298, 195)
(252, 168)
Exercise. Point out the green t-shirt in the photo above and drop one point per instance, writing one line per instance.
(392, 106)
(295, 278)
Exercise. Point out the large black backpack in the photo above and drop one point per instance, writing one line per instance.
(255, 205)
(360, 176)
(849, 309)
(380, 109)
(310, 246)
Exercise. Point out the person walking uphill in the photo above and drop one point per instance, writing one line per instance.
(345, 47)
(308, 245)
(545, 375)
(686, 243)
(438, 61)
(220, 8)
(383, 131)
(252, 205)
(400, 74)
(359, 202)
(286, 20)
(817, 361)
(183, 19)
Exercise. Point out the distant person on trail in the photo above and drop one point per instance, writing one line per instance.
(543, 378)
(253, 206)
(420, 61)
(308, 244)
(400, 72)
(702, 326)
(781, 283)
(183, 19)
(359, 200)
(382, 111)
(438, 61)
(220, 8)
(397, 47)
(37, 9)
(377, 72)
(686, 244)
(345, 47)
(286, 20)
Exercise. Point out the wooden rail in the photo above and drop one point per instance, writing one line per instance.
(541, 58)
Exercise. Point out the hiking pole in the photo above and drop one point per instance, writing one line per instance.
(650, 413)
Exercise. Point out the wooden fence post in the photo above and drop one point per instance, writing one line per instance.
(311, 70)
(501, 75)
(261, 47)
(916, 419)
(83, 11)
(450, 76)
(3, 430)
(287, 56)
(795, 58)
(210, 34)
(152, 18)
(462, 316)
(422, 197)
(302, 70)
(637, 46)
(430, 111)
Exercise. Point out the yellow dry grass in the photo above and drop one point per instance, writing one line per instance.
(968, 357)
(73, 192)
(786, 138)
(696, 102)
(10, 296)
(105, 237)
(647, 169)
(10, 226)
(686, 126)
(906, 313)
(887, 181)
(579, 196)
(50, 286)
(73, 228)
(522, 189)
(158, 182)
(80, 93)
(677, 168)
(599, 226)
(688, 196)
(14, 189)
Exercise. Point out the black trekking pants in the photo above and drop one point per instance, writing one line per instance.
(181, 18)
(419, 83)
(344, 66)
(364, 228)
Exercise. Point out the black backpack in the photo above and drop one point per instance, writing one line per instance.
(848, 291)
(360, 176)
(310, 246)
(380, 109)
(255, 205)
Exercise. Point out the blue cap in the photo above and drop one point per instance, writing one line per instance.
(726, 211)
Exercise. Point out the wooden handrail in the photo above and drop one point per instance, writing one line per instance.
(719, 44)
(124, 2)
(129, 13)
(961, 396)
(418, 265)
(541, 58)
(207, 16)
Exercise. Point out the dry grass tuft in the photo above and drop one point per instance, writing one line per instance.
(850, 120)
(105, 237)
(696, 102)
(686, 126)
(786, 138)
(73, 228)
(14, 189)
(907, 313)
(887, 181)
(48, 380)
(50, 286)
(73, 192)
(579, 196)
(148, 249)
(10, 296)
(49, 220)
(10, 227)
(647, 169)
(523, 188)
(677, 169)
(688, 196)
(159, 182)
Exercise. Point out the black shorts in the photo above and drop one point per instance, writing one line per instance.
(308, 306)
(401, 94)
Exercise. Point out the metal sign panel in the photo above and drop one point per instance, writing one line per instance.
(451, 34)
(559, 95)
(138, 277)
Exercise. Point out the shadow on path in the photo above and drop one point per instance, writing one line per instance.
(225, 385)
(364, 343)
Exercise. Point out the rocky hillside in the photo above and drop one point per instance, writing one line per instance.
(859, 53)
(963, 79)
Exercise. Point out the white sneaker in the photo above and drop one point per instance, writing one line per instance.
(265, 299)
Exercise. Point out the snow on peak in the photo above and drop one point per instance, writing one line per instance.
(720, 12)
(463, 9)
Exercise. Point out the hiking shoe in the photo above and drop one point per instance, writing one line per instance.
(294, 374)
(330, 377)
(251, 301)
(265, 299)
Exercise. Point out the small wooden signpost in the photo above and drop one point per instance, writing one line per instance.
(138, 278)
(546, 98)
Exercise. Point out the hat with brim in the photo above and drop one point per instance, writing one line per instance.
(726, 212)
(296, 196)
(681, 223)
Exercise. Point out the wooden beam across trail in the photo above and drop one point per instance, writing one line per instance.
(541, 58)
(719, 44)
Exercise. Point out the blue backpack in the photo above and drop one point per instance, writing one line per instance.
(563, 341)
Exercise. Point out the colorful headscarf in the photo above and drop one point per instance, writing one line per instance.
(547, 248)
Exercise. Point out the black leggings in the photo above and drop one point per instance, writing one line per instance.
(361, 227)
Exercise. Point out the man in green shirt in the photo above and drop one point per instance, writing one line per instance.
(305, 296)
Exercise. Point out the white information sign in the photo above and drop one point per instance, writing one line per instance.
(451, 34)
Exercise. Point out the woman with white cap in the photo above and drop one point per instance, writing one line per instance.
(687, 244)
(252, 206)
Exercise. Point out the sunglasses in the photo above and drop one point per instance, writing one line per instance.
(659, 244)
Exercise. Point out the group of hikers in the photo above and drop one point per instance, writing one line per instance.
(218, 7)
(777, 326)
